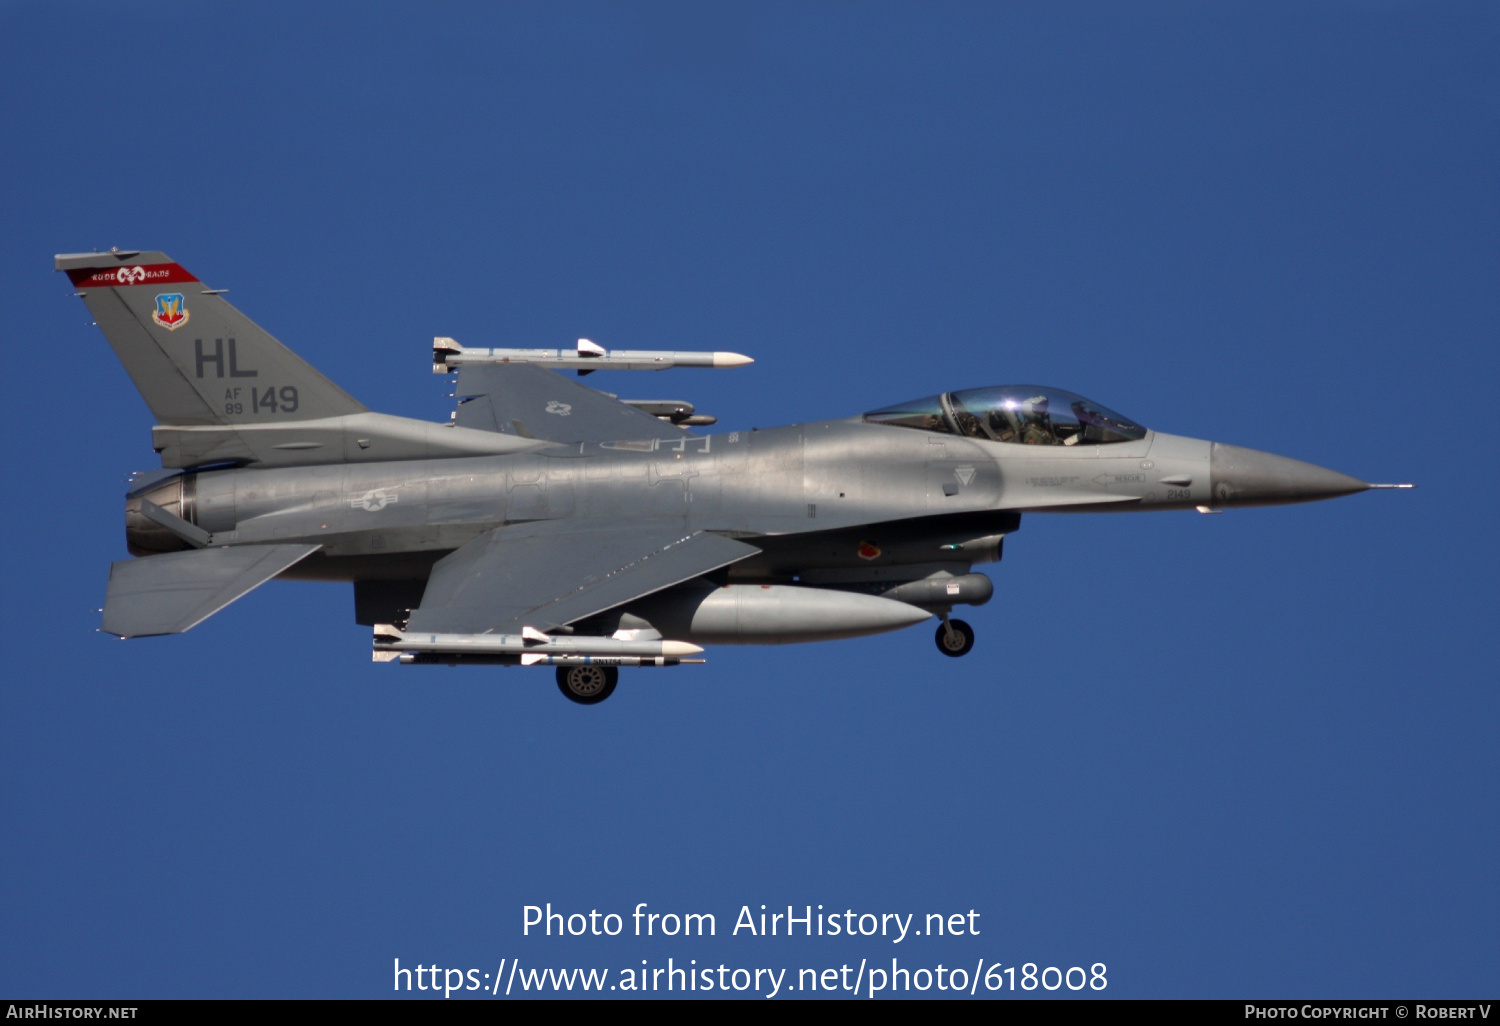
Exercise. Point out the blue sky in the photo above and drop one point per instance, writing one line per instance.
(1251, 754)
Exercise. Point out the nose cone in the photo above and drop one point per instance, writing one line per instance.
(1246, 477)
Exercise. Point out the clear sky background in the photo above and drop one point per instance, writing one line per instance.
(1250, 754)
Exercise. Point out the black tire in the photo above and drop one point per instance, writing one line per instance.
(587, 685)
(964, 632)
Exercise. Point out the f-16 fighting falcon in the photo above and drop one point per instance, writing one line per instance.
(552, 524)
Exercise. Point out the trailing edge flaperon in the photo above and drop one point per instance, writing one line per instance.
(550, 523)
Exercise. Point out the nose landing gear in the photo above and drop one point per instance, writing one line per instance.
(954, 637)
(587, 685)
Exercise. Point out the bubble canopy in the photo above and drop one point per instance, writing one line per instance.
(1020, 414)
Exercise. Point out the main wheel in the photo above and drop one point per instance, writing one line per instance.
(954, 638)
(587, 685)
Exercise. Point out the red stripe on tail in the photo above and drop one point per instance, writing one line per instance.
(130, 274)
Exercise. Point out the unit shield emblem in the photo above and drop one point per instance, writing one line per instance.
(171, 311)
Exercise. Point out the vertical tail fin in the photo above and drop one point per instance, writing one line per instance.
(195, 359)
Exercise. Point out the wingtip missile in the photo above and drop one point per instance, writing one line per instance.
(529, 642)
(448, 355)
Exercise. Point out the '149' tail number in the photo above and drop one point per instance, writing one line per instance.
(262, 400)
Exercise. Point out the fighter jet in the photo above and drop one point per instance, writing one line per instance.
(552, 524)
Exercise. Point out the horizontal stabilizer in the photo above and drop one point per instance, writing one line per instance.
(168, 593)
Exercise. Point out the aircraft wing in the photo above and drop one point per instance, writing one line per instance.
(545, 575)
(532, 402)
(170, 592)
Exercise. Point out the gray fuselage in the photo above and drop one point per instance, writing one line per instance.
(390, 520)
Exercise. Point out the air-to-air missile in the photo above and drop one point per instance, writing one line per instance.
(448, 356)
(552, 524)
(531, 647)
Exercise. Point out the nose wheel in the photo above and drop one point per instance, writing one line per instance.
(587, 685)
(954, 637)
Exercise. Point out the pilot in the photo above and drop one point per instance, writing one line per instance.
(1036, 423)
(937, 422)
(1004, 425)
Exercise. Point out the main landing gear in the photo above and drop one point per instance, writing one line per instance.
(587, 685)
(954, 637)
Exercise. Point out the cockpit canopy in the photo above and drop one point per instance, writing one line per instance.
(1022, 414)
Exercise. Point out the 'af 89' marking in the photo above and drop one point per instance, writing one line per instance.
(269, 399)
